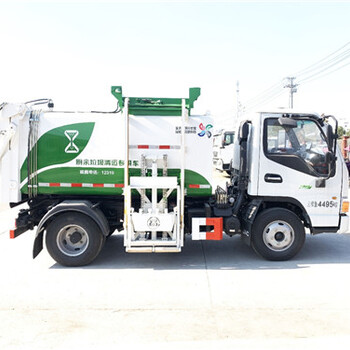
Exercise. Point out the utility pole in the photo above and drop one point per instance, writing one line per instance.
(237, 101)
(293, 89)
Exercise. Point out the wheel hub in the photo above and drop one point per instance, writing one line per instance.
(278, 235)
(72, 240)
(75, 237)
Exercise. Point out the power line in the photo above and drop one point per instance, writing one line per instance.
(315, 71)
(324, 69)
(268, 96)
(271, 98)
(272, 89)
(335, 60)
(246, 109)
(323, 59)
(264, 97)
(323, 75)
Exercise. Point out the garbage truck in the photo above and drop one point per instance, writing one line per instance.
(146, 169)
(223, 150)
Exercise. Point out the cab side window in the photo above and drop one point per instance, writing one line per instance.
(302, 148)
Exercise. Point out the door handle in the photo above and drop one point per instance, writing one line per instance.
(274, 178)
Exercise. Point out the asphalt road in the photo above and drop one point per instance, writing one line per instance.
(213, 295)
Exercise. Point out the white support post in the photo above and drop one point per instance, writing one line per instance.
(143, 174)
(127, 237)
(154, 189)
(182, 183)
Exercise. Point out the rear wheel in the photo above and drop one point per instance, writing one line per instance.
(74, 239)
(277, 234)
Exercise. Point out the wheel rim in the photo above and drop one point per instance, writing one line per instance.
(72, 240)
(278, 235)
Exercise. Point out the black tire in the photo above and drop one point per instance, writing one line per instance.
(277, 234)
(110, 233)
(74, 239)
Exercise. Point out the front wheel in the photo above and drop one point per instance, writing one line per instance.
(74, 239)
(277, 234)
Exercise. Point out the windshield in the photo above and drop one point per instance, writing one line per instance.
(229, 138)
(305, 141)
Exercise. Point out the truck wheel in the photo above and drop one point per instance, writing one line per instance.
(74, 239)
(277, 234)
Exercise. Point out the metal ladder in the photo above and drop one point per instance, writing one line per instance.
(153, 228)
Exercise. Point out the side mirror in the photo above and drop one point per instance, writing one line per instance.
(334, 135)
(330, 161)
(287, 122)
(330, 136)
(243, 132)
(329, 157)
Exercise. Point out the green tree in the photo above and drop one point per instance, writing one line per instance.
(341, 131)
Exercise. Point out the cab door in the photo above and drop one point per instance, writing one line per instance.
(293, 168)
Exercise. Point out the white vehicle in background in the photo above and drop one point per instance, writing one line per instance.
(223, 150)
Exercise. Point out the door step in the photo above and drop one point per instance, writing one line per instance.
(153, 250)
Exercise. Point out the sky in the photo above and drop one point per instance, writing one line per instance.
(73, 52)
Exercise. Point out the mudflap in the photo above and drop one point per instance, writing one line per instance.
(249, 214)
(38, 243)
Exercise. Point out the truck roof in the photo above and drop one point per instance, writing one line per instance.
(294, 112)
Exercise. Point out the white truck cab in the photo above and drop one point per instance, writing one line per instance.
(295, 178)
